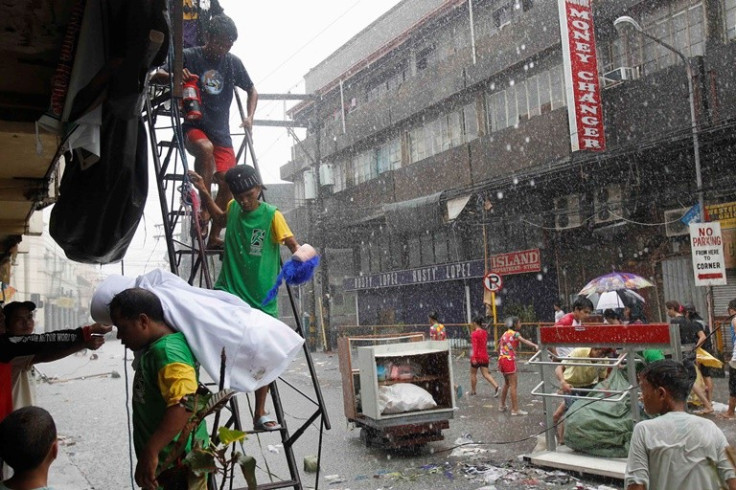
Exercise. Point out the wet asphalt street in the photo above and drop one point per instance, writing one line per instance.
(89, 406)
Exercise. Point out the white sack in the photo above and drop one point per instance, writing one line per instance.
(258, 346)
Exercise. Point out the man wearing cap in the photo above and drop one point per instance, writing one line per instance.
(19, 323)
(250, 265)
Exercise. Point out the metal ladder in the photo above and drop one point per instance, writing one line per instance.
(177, 199)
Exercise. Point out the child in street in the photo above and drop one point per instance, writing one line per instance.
(167, 372)
(479, 357)
(250, 264)
(507, 346)
(436, 329)
(28, 445)
(675, 449)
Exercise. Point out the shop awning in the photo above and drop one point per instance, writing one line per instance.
(455, 206)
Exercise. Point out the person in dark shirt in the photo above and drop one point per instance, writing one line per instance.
(208, 138)
(690, 335)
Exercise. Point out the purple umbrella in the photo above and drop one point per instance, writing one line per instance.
(615, 281)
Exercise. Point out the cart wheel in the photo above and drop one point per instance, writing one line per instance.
(364, 436)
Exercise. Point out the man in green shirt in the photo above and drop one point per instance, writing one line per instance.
(167, 371)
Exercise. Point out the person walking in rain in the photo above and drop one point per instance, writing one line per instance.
(436, 329)
(690, 336)
(507, 346)
(479, 357)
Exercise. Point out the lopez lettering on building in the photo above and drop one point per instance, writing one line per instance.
(507, 264)
(584, 109)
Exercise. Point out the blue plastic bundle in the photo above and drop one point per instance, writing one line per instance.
(293, 272)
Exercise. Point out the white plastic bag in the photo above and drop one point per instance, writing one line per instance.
(403, 397)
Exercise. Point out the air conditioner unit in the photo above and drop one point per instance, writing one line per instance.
(310, 184)
(608, 203)
(620, 74)
(672, 224)
(567, 212)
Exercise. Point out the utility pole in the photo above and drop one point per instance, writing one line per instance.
(322, 298)
(323, 306)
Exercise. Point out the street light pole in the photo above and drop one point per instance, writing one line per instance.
(618, 23)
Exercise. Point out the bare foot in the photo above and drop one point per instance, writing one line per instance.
(726, 416)
(704, 411)
(215, 244)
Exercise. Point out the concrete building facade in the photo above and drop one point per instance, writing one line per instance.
(439, 150)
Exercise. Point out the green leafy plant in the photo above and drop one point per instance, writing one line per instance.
(212, 458)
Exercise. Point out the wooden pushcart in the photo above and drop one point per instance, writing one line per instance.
(366, 365)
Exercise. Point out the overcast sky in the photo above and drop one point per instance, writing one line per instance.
(279, 42)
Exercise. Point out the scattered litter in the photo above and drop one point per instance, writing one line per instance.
(466, 447)
(310, 464)
(558, 478)
(719, 407)
(273, 449)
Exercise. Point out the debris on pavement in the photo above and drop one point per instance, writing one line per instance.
(488, 475)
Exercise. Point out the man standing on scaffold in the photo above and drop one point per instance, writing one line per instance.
(216, 73)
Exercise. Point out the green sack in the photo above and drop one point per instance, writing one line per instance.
(601, 428)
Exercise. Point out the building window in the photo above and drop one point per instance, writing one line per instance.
(470, 120)
(730, 15)
(526, 98)
(418, 144)
(680, 23)
(532, 90)
(426, 57)
(557, 87)
(339, 175)
(394, 153)
(503, 16)
(454, 133)
(512, 111)
(497, 110)
(365, 165)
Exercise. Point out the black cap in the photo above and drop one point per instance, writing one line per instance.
(10, 308)
(242, 178)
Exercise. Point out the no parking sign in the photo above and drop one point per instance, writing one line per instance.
(492, 282)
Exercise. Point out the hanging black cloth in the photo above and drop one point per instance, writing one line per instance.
(100, 205)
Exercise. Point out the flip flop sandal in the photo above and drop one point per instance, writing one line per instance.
(262, 424)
